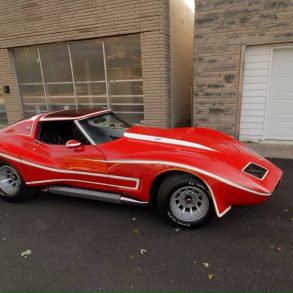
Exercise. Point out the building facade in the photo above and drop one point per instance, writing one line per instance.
(243, 68)
(116, 54)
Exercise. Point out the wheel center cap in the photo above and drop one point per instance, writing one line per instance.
(188, 199)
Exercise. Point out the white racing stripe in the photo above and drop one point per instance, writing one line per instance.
(76, 180)
(167, 140)
(154, 162)
(63, 171)
(198, 170)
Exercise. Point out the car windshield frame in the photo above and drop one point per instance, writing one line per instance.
(102, 128)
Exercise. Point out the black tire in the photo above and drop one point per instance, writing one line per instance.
(12, 186)
(185, 201)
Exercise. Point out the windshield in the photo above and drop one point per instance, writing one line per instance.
(105, 127)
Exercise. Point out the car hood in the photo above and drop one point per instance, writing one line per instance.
(197, 139)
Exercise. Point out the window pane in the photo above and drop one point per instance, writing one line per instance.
(101, 101)
(3, 117)
(123, 57)
(126, 88)
(60, 96)
(61, 101)
(30, 110)
(55, 63)
(130, 100)
(31, 90)
(58, 107)
(60, 89)
(90, 89)
(92, 106)
(132, 117)
(87, 60)
(127, 108)
(34, 101)
(27, 65)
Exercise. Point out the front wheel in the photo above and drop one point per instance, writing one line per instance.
(12, 186)
(185, 201)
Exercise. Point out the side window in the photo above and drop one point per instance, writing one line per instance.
(59, 132)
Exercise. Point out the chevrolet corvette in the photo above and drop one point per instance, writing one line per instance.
(191, 173)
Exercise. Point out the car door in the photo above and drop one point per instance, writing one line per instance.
(82, 165)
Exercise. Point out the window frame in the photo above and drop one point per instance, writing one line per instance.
(75, 97)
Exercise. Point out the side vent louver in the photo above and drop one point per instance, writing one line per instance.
(255, 170)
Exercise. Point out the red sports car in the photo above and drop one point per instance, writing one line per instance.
(190, 172)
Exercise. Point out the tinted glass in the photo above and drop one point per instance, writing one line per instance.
(27, 66)
(123, 57)
(87, 60)
(103, 128)
(56, 63)
(121, 88)
(126, 88)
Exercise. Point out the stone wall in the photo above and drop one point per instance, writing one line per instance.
(222, 30)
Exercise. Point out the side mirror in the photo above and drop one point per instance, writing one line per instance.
(73, 144)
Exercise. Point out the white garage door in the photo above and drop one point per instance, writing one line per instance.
(279, 120)
(267, 100)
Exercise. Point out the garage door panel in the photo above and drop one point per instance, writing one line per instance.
(284, 107)
(282, 61)
(252, 119)
(252, 112)
(258, 65)
(258, 58)
(255, 86)
(257, 72)
(253, 80)
(253, 106)
(281, 129)
(254, 93)
(282, 84)
(279, 120)
(267, 96)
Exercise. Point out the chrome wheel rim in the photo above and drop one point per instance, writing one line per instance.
(189, 203)
(9, 180)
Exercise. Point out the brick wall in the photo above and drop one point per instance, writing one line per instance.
(33, 22)
(222, 28)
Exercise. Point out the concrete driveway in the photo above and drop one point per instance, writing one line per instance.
(83, 245)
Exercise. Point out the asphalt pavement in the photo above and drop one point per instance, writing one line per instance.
(75, 244)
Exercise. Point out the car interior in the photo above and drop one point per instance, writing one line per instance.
(60, 132)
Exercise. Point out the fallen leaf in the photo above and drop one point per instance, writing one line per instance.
(278, 249)
(132, 257)
(26, 253)
(142, 251)
(206, 264)
(135, 231)
(210, 276)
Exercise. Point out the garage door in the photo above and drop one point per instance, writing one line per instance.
(267, 99)
(279, 120)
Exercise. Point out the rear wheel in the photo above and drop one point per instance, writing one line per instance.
(184, 200)
(12, 186)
